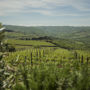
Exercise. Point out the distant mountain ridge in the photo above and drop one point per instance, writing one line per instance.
(64, 34)
(54, 31)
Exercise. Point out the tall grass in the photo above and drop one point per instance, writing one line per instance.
(50, 69)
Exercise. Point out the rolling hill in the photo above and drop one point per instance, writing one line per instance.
(71, 34)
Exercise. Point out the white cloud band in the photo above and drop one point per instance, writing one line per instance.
(46, 7)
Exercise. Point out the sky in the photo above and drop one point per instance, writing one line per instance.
(45, 12)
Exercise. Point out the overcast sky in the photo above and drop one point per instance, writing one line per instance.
(45, 12)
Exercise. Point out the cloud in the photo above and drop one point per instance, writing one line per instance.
(82, 5)
(45, 7)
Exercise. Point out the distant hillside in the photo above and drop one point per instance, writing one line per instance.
(54, 31)
(25, 30)
(81, 34)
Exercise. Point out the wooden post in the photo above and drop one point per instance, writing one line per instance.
(82, 59)
(87, 60)
(31, 59)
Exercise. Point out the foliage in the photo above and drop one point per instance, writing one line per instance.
(65, 67)
(68, 44)
(49, 69)
(1, 25)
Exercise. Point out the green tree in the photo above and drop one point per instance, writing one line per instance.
(1, 36)
(1, 25)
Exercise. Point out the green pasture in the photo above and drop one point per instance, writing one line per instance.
(29, 42)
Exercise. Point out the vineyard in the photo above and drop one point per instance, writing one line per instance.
(23, 44)
(30, 60)
(45, 69)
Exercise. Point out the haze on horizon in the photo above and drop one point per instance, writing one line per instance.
(45, 12)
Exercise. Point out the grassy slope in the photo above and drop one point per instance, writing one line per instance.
(56, 31)
(50, 67)
(47, 69)
(29, 42)
(78, 37)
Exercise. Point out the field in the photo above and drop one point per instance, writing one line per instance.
(29, 42)
(23, 44)
(31, 61)
(47, 69)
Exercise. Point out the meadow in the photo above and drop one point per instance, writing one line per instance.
(46, 69)
(29, 42)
